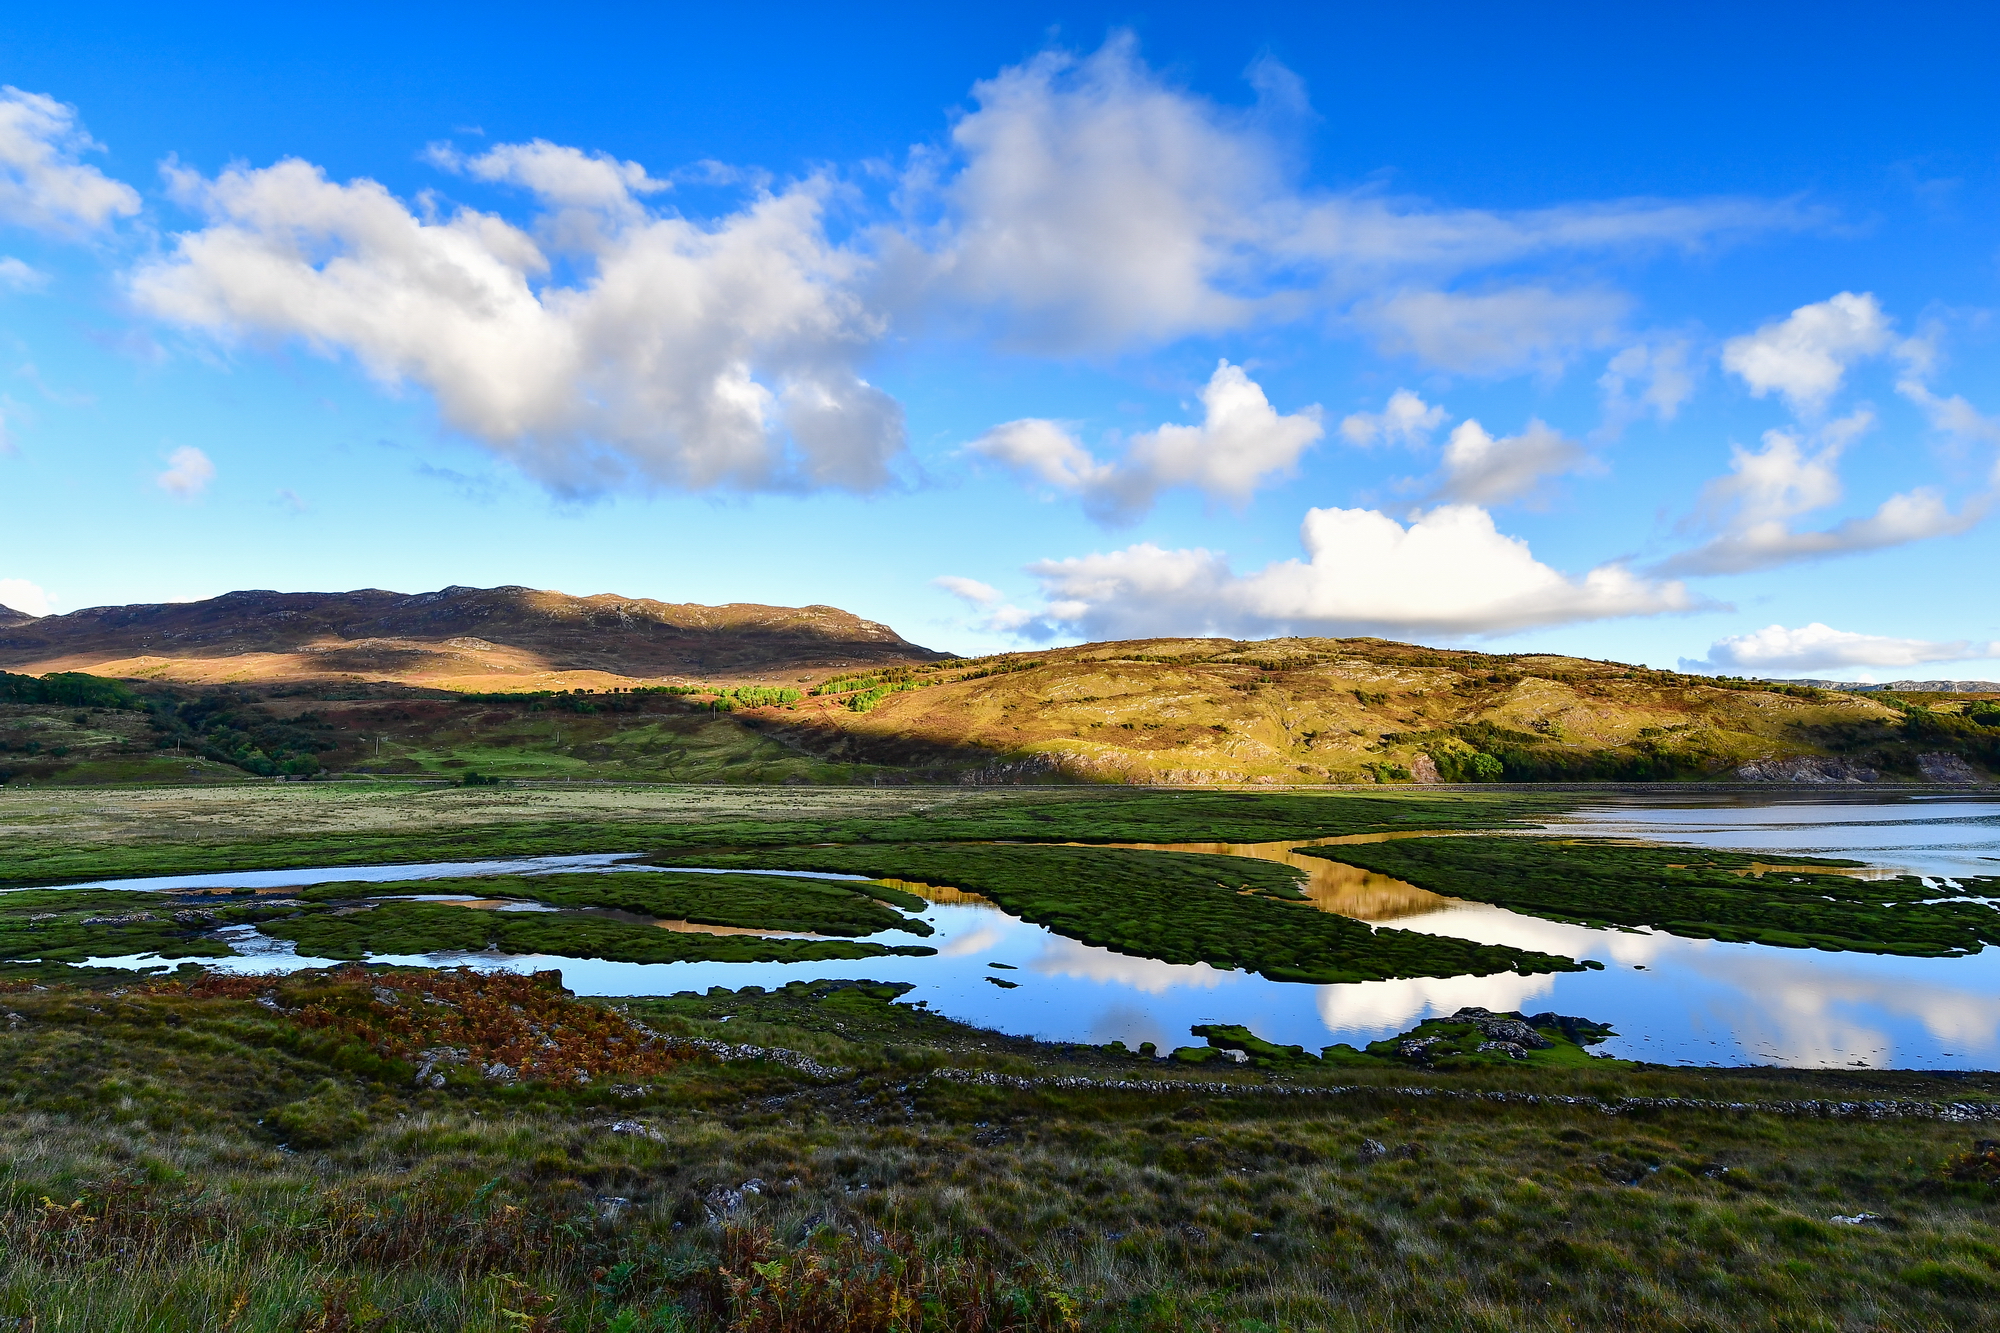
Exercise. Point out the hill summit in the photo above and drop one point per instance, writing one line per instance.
(456, 638)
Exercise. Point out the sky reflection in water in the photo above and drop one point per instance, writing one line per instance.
(1674, 1000)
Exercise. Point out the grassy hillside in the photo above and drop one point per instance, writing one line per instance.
(1362, 710)
(1172, 712)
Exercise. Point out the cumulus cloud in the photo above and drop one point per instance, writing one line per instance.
(1086, 204)
(21, 595)
(43, 184)
(967, 590)
(1494, 333)
(1405, 419)
(1082, 204)
(1804, 356)
(557, 173)
(1093, 205)
(1046, 450)
(1241, 442)
(1818, 647)
(682, 355)
(1450, 571)
(187, 473)
(1753, 508)
(1482, 470)
(1647, 378)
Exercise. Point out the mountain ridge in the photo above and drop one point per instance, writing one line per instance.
(457, 637)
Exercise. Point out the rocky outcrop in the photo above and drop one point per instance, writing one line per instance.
(1807, 769)
(1947, 768)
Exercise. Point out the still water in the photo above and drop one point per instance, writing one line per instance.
(1671, 1000)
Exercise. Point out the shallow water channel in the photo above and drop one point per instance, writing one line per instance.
(1671, 1000)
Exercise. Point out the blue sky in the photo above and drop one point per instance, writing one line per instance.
(1660, 333)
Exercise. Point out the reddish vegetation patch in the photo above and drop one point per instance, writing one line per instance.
(500, 1024)
(1980, 1166)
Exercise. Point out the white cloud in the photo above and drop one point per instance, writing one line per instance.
(1043, 449)
(1241, 442)
(1449, 572)
(568, 177)
(1494, 333)
(1000, 617)
(1912, 516)
(967, 590)
(1481, 470)
(1951, 414)
(1948, 414)
(1083, 204)
(1804, 356)
(187, 473)
(42, 183)
(1096, 206)
(1087, 204)
(21, 595)
(1405, 419)
(1753, 507)
(17, 275)
(720, 356)
(1818, 647)
(1647, 378)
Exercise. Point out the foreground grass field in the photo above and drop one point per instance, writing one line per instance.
(424, 1150)
(325, 1155)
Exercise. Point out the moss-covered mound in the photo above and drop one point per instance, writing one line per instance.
(1472, 1036)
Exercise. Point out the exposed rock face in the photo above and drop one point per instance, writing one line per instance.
(463, 634)
(1423, 768)
(1821, 772)
(1946, 768)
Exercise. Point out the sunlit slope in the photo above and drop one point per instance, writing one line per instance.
(1346, 710)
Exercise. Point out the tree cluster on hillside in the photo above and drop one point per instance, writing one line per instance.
(229, 730)
(69, 689)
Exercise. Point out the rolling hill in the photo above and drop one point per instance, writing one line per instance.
(524, 684)
(456, 638)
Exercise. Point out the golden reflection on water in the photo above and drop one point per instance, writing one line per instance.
(1333, 887)
(937, 893)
